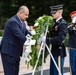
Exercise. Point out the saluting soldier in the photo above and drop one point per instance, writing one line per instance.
(72, 43)
(56, 38)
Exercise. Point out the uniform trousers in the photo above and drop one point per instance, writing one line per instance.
(10, 64)
(73, 61)
(53, 69)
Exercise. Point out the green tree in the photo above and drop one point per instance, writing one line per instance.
(37, 8)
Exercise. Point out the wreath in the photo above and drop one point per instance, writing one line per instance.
(39, 27)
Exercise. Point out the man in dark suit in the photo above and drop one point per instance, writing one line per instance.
(56, 38)
(13, 40)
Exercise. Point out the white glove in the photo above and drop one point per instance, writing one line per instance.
(43, 38)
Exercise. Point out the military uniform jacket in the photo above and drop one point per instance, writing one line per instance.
(58, 35)
(72, 36)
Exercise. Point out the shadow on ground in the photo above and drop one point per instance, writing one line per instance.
(66, 69)
(46, 72)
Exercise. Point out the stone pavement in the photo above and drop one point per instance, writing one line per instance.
(25, 71)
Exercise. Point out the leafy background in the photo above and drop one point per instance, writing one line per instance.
(37, 8)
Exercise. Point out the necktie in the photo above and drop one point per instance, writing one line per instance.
(22, 26)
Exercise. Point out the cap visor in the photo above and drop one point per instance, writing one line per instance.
(53, 12)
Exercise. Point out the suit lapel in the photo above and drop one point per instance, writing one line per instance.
(18, 21)
(21, 25)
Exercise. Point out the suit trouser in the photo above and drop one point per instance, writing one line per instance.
(53, 69)
(73, 61)
(10, 64)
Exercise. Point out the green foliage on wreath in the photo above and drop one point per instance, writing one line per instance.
(42, 23)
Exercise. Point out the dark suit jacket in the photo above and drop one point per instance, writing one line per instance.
(14, 37)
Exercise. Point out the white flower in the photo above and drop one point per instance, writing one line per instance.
(36, 24)
(33, 32)
(40, 18)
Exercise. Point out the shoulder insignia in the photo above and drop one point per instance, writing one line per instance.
(63, 22)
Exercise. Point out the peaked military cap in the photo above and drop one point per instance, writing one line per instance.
(55, 8)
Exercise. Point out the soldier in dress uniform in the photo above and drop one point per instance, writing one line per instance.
(56, 38)
(72, 43)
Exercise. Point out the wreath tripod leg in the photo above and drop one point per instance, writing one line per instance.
(43, 59)
(37, 59)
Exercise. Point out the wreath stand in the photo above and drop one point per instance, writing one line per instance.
(43, 45)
